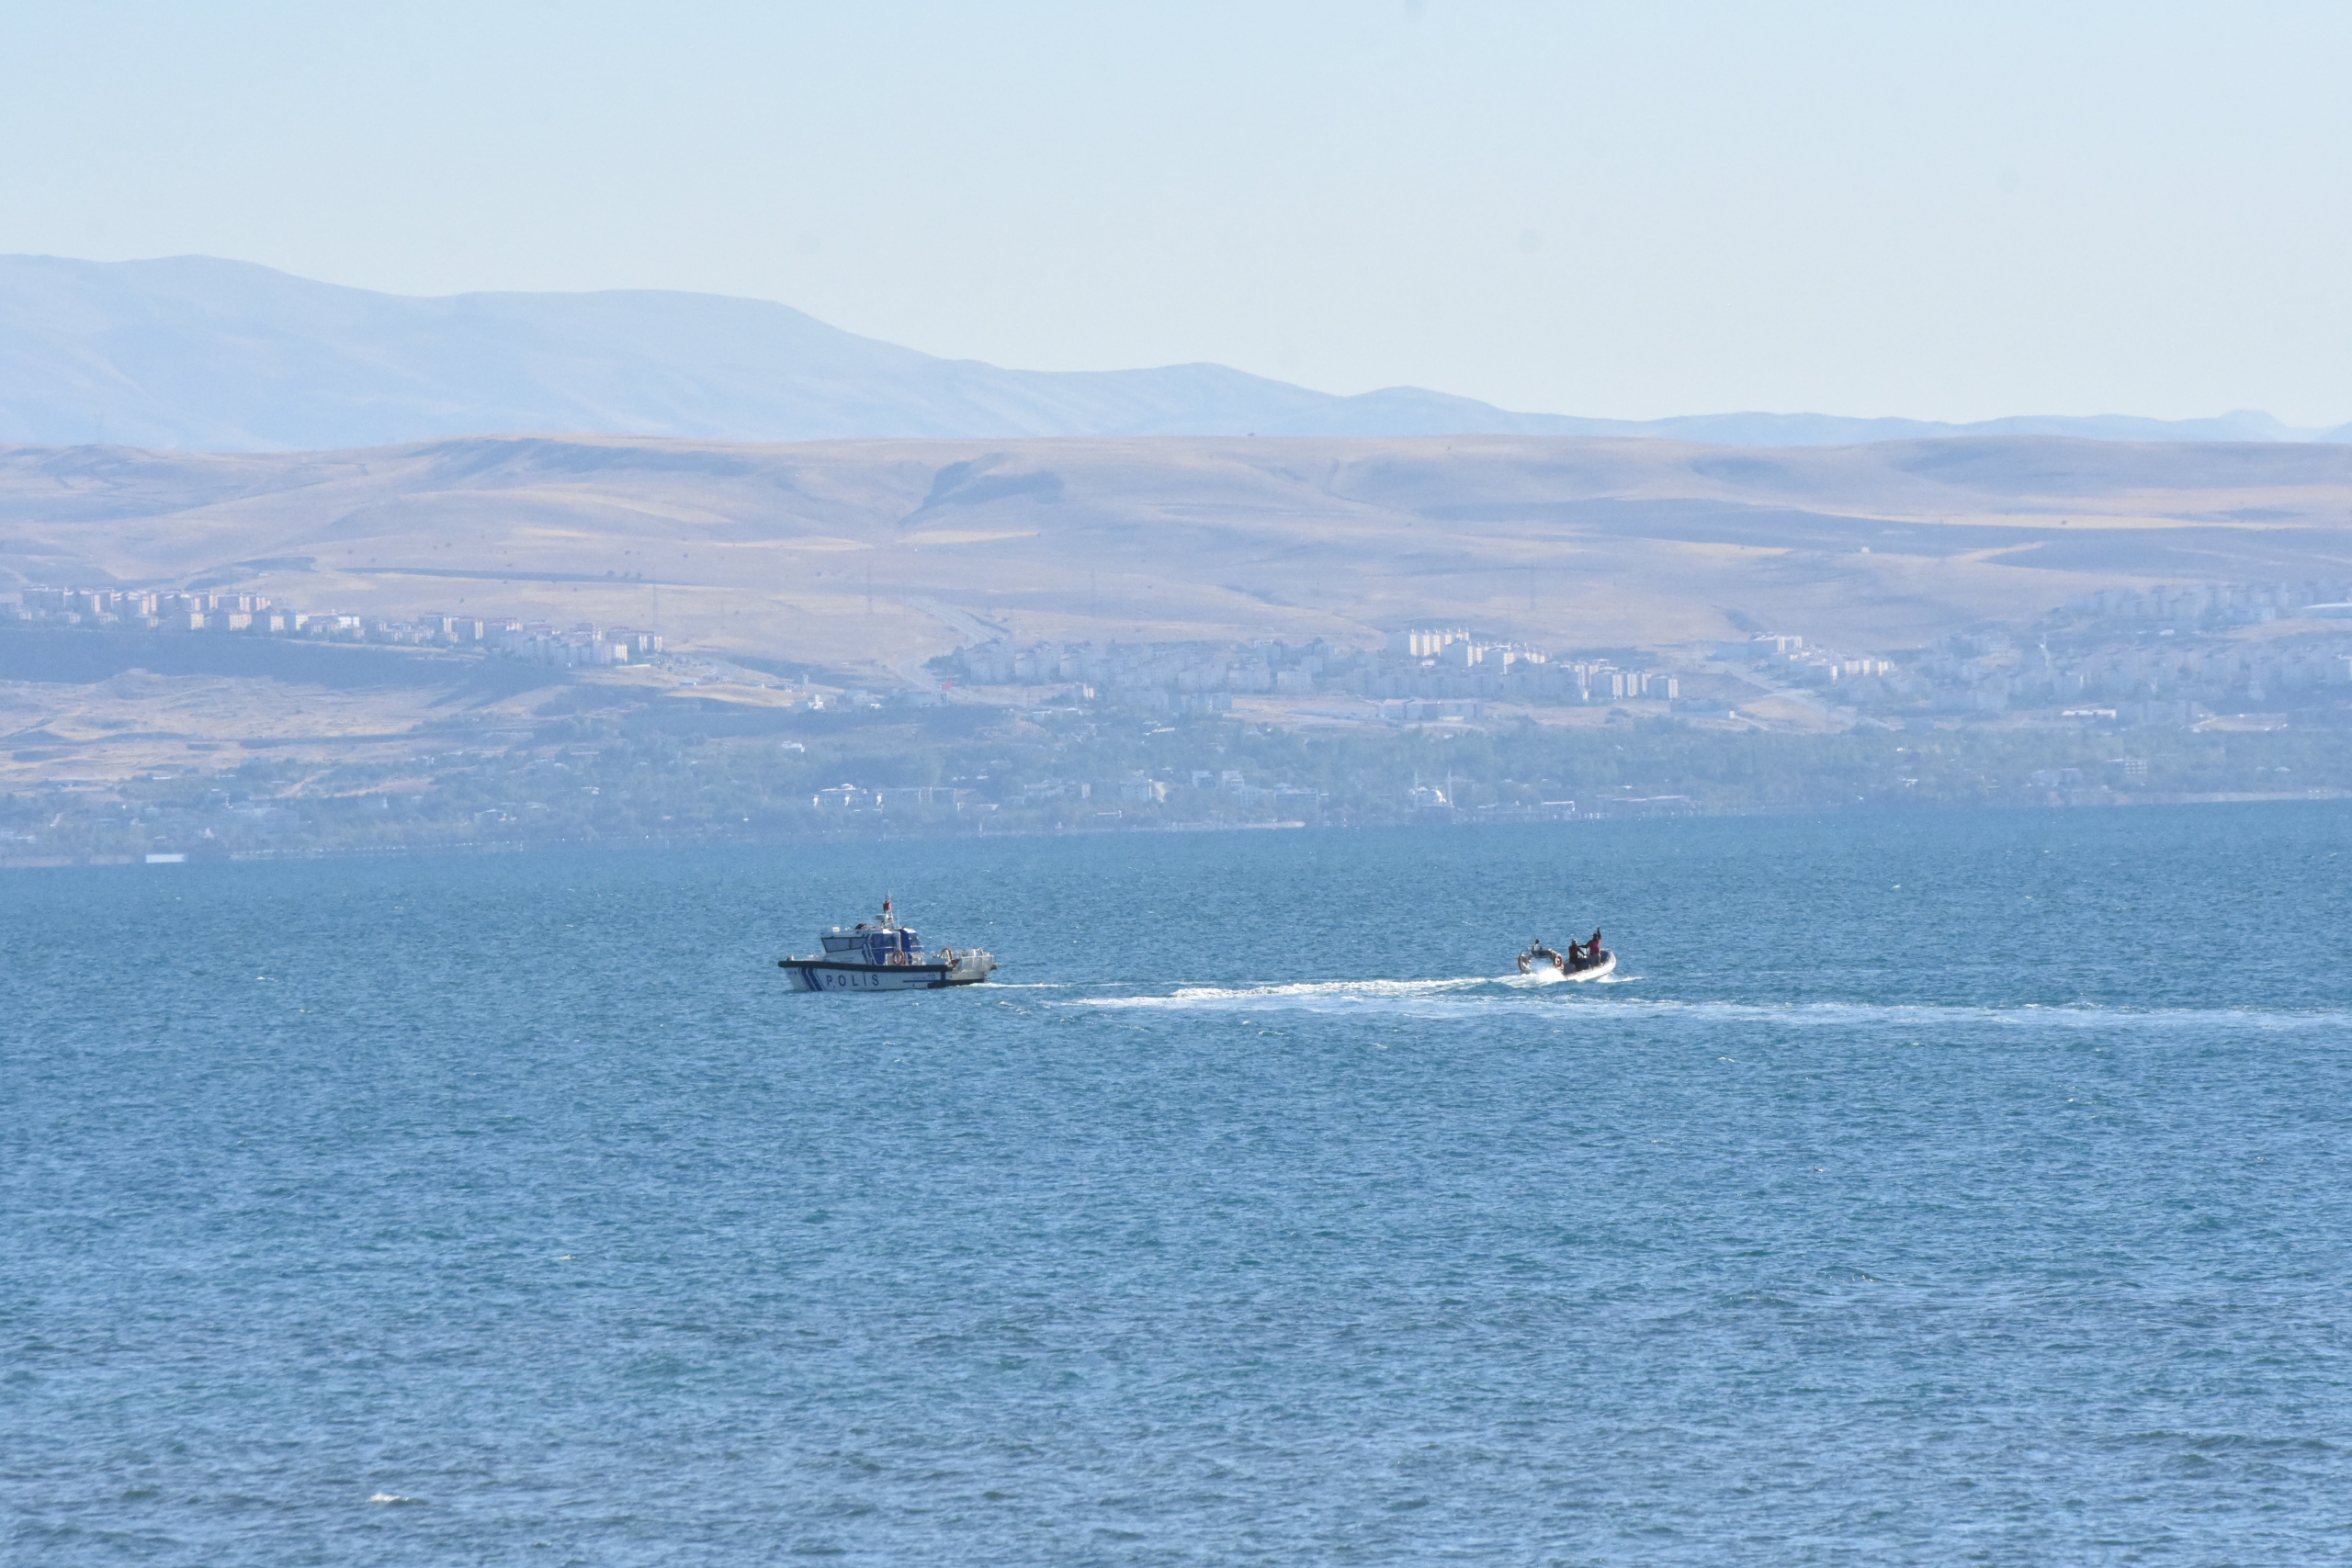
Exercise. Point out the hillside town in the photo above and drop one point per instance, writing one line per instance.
(2168, 655)
(2122, 696)
(253, 615)
(2123, 657)
(1414, 664)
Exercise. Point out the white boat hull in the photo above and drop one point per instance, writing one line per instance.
(1548, 973)
(819, 975)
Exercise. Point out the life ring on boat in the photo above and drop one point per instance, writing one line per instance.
(896, 959)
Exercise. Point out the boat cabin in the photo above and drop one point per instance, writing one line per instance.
(872, 944)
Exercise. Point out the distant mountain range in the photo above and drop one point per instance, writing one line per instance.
(199, 354)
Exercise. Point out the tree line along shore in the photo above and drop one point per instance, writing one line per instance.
(582, 778)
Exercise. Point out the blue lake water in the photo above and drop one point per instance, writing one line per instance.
(1961, 1187)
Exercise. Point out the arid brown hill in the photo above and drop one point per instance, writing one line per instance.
(882, 553)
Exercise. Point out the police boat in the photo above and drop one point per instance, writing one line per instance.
(883, 955)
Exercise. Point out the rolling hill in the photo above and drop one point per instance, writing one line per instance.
(877, 554)
(198, 354)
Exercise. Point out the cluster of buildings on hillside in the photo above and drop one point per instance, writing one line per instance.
(1225, 787)
(2168, 654)
(1422, 665)
(2165, 678)
(2159, 656)
(2215, 606)
(255, 614)
(1792, 659)
(2130, 656)
(2164, 655)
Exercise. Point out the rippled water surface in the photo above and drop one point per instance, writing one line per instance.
(1964, 1188)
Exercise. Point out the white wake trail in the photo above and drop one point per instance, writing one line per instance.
(1550, 997)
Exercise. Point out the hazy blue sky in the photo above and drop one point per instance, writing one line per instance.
(1953, 212)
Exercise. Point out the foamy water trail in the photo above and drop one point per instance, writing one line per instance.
(1469, 992)
(1552, 997)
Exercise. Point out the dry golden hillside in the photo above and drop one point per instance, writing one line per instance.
(881, 553)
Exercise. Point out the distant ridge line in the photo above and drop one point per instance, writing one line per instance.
(199, 354)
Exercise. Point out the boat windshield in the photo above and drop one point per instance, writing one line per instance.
(879, 946)
(872, 944)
